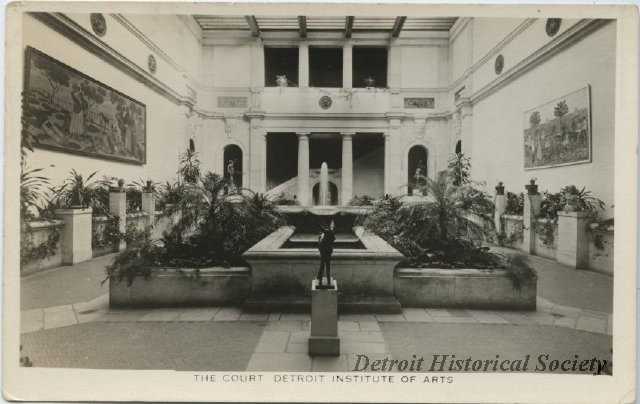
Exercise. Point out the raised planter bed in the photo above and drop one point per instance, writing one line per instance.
(168, 287)
(462, 288)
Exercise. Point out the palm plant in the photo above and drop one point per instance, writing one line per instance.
(458, 168)
(189, 169)
(580, 200)
(33, 191)
(448, 226)
(75, 191)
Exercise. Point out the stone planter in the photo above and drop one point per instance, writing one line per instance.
(168, 287)
(462, 288)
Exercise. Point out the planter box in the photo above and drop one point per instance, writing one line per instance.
(172, 287)
(462, 288)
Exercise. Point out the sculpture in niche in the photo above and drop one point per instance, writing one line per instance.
(98, 24)
(553, 26)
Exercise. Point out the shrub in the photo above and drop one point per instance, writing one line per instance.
(446, 230)
(515, 204)
(364, 200)
(282, 199)
(211, 229)
(168, 194)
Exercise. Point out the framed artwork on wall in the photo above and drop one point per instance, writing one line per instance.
(68, 111)
(558, 132)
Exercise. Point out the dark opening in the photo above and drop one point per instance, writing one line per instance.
(192, 146)
(282, 158)
(280, 62)
(333, 194)
(327, 150)
(365, 143)
(325, 67)
(417, 168)
(233, 165)
(459, 147)
(369, 63)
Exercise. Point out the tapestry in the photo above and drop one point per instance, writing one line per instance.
(69, 111)
(558, 132)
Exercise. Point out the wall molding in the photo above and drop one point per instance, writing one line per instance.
(81, 37)
(569, 37)
(155, 48)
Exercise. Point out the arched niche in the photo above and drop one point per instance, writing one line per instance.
(233, 165)
(333, 194)
(417, 166)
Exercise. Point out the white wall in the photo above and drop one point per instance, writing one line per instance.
(165, 125)
(498, 119)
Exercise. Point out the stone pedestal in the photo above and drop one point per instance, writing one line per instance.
(75, 241)
(573, 239)
(324, 340)
(531, 209)
(118, 206)
(500, 205)
(149, 207)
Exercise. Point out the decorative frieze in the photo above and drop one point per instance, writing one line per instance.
(419, 102)
(232, 102)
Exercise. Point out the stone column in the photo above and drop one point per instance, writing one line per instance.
(347, 66)
(303, 65)
(500, 205)
(387, 162)
(347, 168)
(149, 204)
(257, 64)
(394, 74)
(573, 239)
(257, 159)
(118, 206)
(531, 209)
(75, 238)
(303, 168)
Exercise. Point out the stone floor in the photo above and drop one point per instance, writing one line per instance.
(66, 322)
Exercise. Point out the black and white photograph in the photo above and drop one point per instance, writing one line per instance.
(320, 202)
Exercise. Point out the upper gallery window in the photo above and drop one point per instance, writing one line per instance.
(280, 63)
(369, 66)
(325, 67)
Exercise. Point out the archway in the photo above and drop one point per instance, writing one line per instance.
(416, 167)
(333, 194)
(233, 165)
(459, 147)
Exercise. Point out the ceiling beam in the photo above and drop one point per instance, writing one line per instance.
(348, 26)
(253, 25)
(397, 26)
(302, 22)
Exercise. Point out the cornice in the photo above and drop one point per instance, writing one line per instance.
(155, 48)
(567, 38)
(77, 34)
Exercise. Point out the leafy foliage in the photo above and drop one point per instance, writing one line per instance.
(519, 269)
(167, 194)
(445, 231)
(364, 200)
(515, 204)
(282, 199)
(458, 168)
(189, 169)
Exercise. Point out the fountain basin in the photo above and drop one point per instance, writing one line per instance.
(281, 274)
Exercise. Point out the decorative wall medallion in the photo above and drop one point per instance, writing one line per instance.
(553, 26)
(98, 23)
(151, 63)
(325, 102)
(232, 102)
(419, 102)
(499, 64)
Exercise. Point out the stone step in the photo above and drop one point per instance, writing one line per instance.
(368, 305)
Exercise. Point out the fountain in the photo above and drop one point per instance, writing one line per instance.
(324, 185)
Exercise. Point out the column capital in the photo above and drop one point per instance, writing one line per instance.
(303, 135)
(347, 135)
